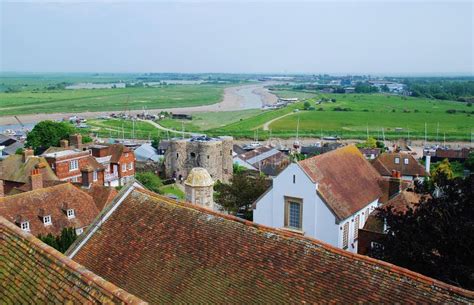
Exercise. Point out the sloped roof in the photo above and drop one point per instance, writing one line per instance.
(346, 180)
(101, 194)
(54, 201)
(146, 152)
(11, 149)
(33, 272)
(14, 169)
(385, 163)
(92, 162)
(170, 252)
(199, 177)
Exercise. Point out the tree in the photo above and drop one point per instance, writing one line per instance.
(369, 143)
(437, 237)
(61, 242)
(239, 195)
(306, 105)
(442, 172)
(150, 181)
(469, 163)
(48, 133)
(155, 142)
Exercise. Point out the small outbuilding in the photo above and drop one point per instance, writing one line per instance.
(199, 188)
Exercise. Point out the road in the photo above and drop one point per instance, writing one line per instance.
(267, 124)
(192, 134)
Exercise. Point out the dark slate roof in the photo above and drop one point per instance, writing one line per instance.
(346, 180)
(385, 164)
(32, 272)
(54, 201)
(170, 252)
(11, 149)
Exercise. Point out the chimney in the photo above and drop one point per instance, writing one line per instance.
(76, 140)
(36, 179)
(2, 189)
(428, 163)
(394, 184)
(27, 152)
(64, 143)
(87, 176)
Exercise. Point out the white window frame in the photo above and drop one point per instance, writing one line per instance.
(397, 160)
(70, 213)
(345, 235)
(47, 220)
(79, 231)
(130, 166)
(124, 167)
(405, 161)
(288, 202)
(25, 226)
(356, 226)
(95, 176)
(73, 165)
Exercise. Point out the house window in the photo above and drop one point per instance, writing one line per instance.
(293, 213)
(25, 226)
(356, 227)
(345, 236)
(130, 166)
(294, 179)
(47, 220)
(74, 179)
(124, 167)
(79, 231)
(397, 160)
(376, 246)
(405, 160)
(231, 152)
(73, 165)
(70, 213)
(193, 155)
(94, 176)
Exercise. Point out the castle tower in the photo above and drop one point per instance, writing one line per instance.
(198, 187)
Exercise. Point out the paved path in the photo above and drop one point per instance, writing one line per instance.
(267, 124)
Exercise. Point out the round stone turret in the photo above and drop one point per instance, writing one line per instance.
(199, 188)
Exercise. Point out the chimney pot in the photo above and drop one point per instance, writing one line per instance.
(27, 152)
(36, 179)
(64, 143)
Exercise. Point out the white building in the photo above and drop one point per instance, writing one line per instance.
(327, 197)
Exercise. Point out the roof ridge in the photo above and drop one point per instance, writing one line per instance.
(287, 234)
(43, 189)
(60, 259)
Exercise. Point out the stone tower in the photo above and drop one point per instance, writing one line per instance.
(199, 188)
(213, 154)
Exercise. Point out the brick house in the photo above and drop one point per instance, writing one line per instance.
(117, 160)
(404, 163)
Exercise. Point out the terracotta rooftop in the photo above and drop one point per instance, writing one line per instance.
(101, 194)
(346, 180)
(385, 164)
(170, 252)
(32, 272)
(53, 201)
(14, 169)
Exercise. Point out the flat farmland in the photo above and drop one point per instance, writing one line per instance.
(93, 100)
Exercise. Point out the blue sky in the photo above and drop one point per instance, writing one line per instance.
(384, 37)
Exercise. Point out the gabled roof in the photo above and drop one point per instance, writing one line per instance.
(14, 169)
(92, 163)
(385, 164)
(101, 194)
(54, 201)
(33, 272)
(146, 152)
(170, 252)
(346, 180)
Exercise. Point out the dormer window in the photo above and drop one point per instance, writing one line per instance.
(94, 176)
(47, 220)
(405, 160)
(397, 160)
(25, 226)
(70, 213)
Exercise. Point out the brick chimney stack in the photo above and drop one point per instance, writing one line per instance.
(2, 189)
(394, 184)
(76, 140)
(36, 179)
(64, 143)
(87, 173)
(27, 152)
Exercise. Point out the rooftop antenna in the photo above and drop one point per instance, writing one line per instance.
(425, 135)
(367, 131)
(408, 130)
(296, 144)
(123, 133)
(321, 133)
(383, 134)
(182, 129)
(133, 129)
(444, 144)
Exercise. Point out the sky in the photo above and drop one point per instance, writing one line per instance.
(374, 37)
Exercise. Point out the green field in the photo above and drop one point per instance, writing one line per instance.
(117, 129)
(397, 116)
(54, 101)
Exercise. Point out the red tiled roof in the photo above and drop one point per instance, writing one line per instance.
(170, 252)
(116, 151)
(92, 163)
(385, 164)
(32, 272)
(54, 201)
(346, 180)
(101, 194)
(453, 153)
